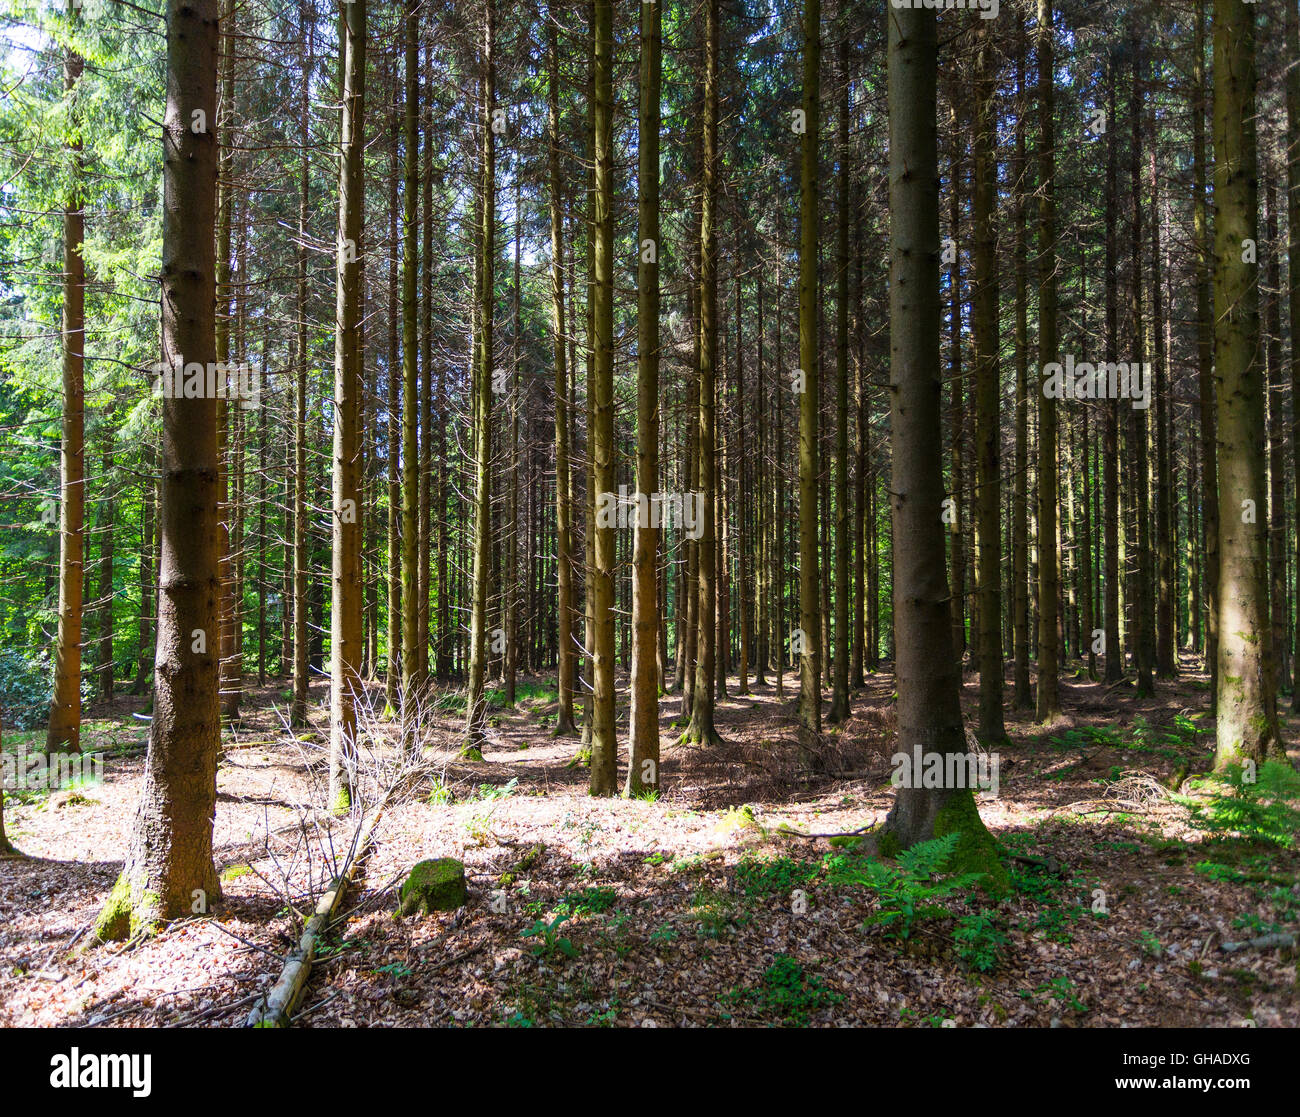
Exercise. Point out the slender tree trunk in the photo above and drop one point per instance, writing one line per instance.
(988, 462)
(701, 729)
(65, 708)
(643, 763)
(839, 710)
(345, 609)
(1049, 700)
(476, 706)
(809, 633)
(564, 724)
(1022, 694)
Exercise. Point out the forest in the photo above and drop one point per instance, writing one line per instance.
(650, 513)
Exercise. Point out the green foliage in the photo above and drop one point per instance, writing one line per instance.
(787, 992)
(590, 901)
(766, 876)
(979, 942)
(906, 891)
(25, 690)
(550, 942)
(1262, 810)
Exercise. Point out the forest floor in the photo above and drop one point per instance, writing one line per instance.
(711, 906)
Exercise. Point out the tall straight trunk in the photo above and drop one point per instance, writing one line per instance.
(1049, 699)
(225, 314)
(345, 609)
(1022, 694)
(1143, 604)
(781, 632)
(169, 864)
(475, 705)
(1276, 462)
(104, 664)
(422, 619)
(65, 707)
(765, 584)
(1293, 283)
(1247, 726)
(701, 730)
(988, 460)
(604, 743)
(957, 409)
(810, 698)
(743, 547)
(410, 368)
(1166, 655)
(144, 651)
(1110, 458)
(564, 724)
(928, 674)
(643, 721)
(298, 707)
(839, 710)
(393, 675)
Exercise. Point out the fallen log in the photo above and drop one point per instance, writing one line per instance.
(276, 1008)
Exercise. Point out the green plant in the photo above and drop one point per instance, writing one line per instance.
(979, 942)
(590, 901)
(1062, 989)
(1260, 808)
(765, 876)
(788, 992)
(549, 940)
(905, 890)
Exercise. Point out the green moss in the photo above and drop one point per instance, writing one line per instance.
(471, 752)
(342, 801)
(433, 886)
(976, 850)
(889, 845)
(120, 918)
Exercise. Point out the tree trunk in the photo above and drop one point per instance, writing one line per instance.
(928, 675)
(169, 868)
(65, 708)
(643, 763)
(1247, 727)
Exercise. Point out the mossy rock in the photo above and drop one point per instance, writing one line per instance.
(433, 886)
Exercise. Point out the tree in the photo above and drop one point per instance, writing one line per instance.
(604, 741)
(1246, 697)
(345, 612)
(928, 674)
(810, 698)
(701, 730)
(411, 680)
(1048, 699)
(564, 724)
(484, 308)
(984, 322)
(169, 868)
(643, 762)
(65, 708)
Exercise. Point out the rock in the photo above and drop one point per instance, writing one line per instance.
(433, 886)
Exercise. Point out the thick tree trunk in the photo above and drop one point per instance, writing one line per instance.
(1247, 727)
(169, 868)
(928, 675)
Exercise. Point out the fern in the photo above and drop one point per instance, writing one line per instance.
(907, 890)
(1262, 809)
